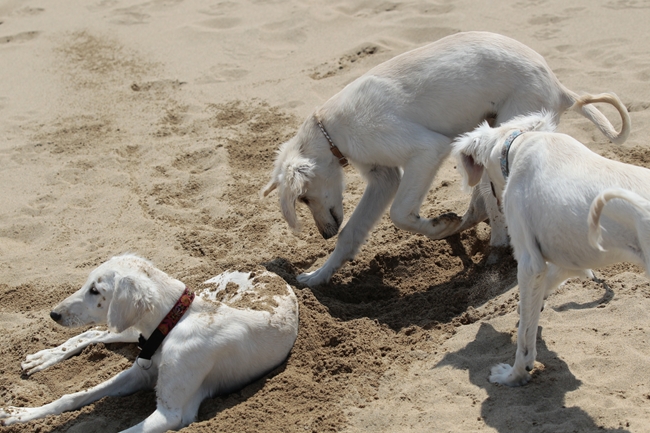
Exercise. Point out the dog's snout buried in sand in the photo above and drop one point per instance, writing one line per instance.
(395, 124)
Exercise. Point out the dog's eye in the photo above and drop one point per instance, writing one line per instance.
(305, 200)
(93, 290)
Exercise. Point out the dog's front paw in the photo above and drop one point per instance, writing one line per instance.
(507, 375)
(11, 415)
(41, 360)
(313, 279)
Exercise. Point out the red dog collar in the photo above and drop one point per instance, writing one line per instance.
(149, 346)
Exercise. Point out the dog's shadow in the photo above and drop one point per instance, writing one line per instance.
(372, 291)
(608, 295)
(536, 407)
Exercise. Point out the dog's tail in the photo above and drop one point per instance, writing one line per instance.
(582, 105)
(595, 231)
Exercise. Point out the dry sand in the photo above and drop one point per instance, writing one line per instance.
(150, 127)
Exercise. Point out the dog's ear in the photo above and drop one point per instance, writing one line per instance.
(469, 151)
(296, 174)
(471, 171)
(128, 304)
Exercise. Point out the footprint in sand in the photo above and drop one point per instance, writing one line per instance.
(221, 23)
(158, 85)
(19, 37)
(628, 4)
(546, 19)
(222, 72)
(129, 16)
(530, 3)
(29, 11)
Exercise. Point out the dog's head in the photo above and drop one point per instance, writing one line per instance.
(117, 293)
(305, 172)
(480, 150)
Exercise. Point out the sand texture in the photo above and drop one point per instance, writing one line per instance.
(150, 127)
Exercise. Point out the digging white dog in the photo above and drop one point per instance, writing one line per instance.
(237, 328)
(395, 124)
(547, 182)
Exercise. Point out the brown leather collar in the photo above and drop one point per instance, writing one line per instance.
(335, 150)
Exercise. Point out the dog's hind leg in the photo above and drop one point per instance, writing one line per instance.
(125, 383)
(48, 357)
(380, 190)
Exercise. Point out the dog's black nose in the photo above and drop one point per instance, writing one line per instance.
(55, 316)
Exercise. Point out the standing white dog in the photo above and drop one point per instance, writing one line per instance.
(239, 327)
(547, 182)
(401, 116)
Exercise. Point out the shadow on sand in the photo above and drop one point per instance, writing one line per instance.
(535, 408)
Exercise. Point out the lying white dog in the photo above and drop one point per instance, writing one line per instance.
(401, 117)
(237, 328)
(547, 182)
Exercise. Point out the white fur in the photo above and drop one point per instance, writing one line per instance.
(597, 206)
(395, 124)
(547, 199)
(216, 347)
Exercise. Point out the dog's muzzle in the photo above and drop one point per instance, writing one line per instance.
(330, 229)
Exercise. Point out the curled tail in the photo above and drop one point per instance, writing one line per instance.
(582, 105)
(595, 231)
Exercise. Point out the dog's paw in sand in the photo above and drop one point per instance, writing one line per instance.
(505, 374)
(47, 357)
(11, 415)
(41, 360)
(315, 278)
(447, 225)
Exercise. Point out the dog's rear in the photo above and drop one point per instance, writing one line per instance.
(598, 205)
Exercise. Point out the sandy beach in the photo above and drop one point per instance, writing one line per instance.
(150, 127)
